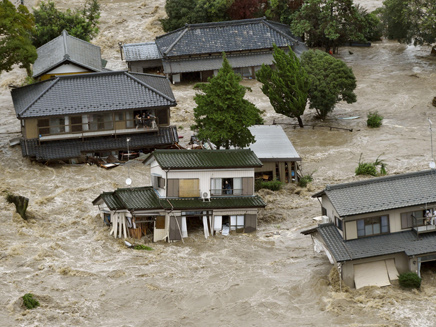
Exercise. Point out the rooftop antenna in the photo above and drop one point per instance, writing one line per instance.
(432, 163)
(128, 180)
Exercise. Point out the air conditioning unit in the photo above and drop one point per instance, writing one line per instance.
(205, 195)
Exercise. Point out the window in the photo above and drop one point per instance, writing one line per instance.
(158, 181)
(226, 186)
(119, 116)
(76, 123)
(372, 226)
(407, 219)
(339, 223)
(43, 127)
(323, 211)
(98, 122)
(189, 188)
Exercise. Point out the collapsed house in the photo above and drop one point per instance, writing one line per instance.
(372, 230)
(191, 189)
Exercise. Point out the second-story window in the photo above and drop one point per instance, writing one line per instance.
(373, 226)
(226, 186)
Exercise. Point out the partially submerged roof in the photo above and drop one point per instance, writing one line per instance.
(382, 193)
(145, 198)
(66, 149)
(141, 51)
(66, 48)
(272, 144)
(227, 36)
(204, 159)
(378, 245)
(93, 92)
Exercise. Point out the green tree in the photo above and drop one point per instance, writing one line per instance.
(181, 12)
(282, 11)
(410, 21)
(50, 22)
(331, 81)
(327, 23)
(16, 25)
(287, 85)
(222, 114)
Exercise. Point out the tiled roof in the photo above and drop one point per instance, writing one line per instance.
(228, 36)
(374, 246)
(205, 159)
(382, 193)
(143, 198)
(67, 48)
(135, 198)
(272, 144)
(215, 203)
(94, 92)
(141, 51)
(66, 149)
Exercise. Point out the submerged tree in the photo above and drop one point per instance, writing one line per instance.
(16, 25)
(222, 115)
(287, 85)
(50, 22)
(331, 81)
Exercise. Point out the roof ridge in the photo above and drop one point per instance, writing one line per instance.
(228, 22)
(139, 43)
(54, 81)
(266, 22)
(150, 87)
(177, 40)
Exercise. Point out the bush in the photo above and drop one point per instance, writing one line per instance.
(410, 280)
(29, 302)
(142, 247)
(306, 179)
(270, 185)
(366, 168)
(374, 119)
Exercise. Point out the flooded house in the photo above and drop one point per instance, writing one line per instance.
(207, 190)
(372, 230)
(276, 152)
(66, 55)
(194, 52)
(71, 117)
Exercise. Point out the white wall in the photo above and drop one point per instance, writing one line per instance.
(67, 68)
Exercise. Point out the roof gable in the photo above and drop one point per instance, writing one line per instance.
(95, 92)
(382, 193)
(228, 36)
(141, 51)
(205, 159)
(67, 48)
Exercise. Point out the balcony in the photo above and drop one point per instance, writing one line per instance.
(424, 225)
(225, 192)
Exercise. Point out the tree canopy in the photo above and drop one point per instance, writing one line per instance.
(331, 81)
(50, 22)
(287, 85)
(410, 21)
(222, 115)
(16, 25)
(327, 23)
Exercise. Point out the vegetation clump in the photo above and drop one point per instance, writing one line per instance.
(368, 168)
(29, 302)
(270, 185)
(409, 280)
(306, 179)
(142, 247)
(374, 119)
(20, 202)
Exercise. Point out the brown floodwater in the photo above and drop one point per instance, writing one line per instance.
(83, 277)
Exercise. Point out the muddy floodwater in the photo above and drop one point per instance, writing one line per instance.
(83, 277)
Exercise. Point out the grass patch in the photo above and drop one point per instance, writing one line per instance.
(270, 185)
(142, 247)
(29, 302)
(374, 119)
(306, 179)
(370, 168)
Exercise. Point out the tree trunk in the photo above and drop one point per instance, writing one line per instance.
(300, 121)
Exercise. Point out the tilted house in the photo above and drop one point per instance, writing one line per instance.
(67, 55)
(279, 158)
(93, 114)
(213, 190)
(194, 52)
(377, 228)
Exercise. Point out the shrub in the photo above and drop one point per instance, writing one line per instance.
(374, 119)
(29, 302)
(410, 280)
(366, 168)
(306, 179)
(270, 185)
(142, 247)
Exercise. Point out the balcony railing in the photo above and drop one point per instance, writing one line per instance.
(225, 192)
(424, 225)
(84, 130)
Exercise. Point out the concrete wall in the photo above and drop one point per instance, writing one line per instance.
(138, 66)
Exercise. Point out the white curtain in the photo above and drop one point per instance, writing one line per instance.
(237, 186)
(216, 185)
